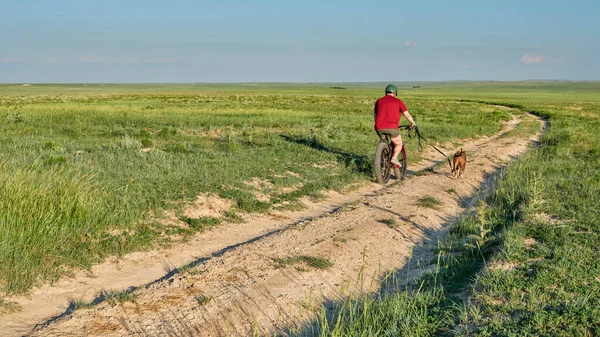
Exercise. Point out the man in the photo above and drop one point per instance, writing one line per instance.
(388, 111)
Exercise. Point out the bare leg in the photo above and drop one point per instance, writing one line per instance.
(397, 146)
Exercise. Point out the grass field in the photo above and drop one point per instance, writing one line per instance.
(526, 264)
(86, 172)
(85, 169)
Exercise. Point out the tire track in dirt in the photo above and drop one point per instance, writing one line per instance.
(234, 282)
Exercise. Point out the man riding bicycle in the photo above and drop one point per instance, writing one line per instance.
(388, 111)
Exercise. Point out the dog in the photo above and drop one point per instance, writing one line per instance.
(459, 163)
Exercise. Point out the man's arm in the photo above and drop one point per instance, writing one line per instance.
(410, 119)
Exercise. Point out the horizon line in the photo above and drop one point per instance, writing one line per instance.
(301, 82)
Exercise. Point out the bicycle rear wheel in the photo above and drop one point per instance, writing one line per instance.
(382, 165)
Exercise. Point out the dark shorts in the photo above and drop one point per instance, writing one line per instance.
(392, 132)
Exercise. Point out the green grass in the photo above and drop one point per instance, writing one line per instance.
(203, 300)
(233, 217)
(77, 304)
(388, 221)
(399, 314)
(311, 261)
(429, 202)
(85, 169)
(201, 223)
(117, 297)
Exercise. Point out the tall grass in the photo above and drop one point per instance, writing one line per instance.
(47, 219)
(397, 314)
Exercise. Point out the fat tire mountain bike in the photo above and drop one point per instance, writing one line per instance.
(383, 156)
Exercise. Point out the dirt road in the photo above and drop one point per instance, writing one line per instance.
(252, 277)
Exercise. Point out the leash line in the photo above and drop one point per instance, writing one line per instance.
(420, 147)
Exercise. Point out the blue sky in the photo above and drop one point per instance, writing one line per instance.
(297, 41)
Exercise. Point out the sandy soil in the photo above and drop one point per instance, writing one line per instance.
(234, 284)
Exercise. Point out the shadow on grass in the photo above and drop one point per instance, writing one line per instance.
(358, 163)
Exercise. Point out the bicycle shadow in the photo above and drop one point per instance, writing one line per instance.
(359, 163)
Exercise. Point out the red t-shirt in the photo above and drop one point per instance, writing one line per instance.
(388, 110)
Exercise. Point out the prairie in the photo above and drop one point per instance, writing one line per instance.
(88, 172)
(91, 172)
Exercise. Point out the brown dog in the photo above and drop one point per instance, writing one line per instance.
(459, 163)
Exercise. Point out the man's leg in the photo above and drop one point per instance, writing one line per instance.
(397, 148)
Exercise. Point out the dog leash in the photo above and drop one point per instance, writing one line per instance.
(420, 147)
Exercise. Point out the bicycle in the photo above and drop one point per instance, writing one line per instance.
(383, 156)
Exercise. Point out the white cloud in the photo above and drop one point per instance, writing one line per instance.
(50, 60)
(410, 43)
(89, 59)
(532, 59)
(467, 66)
(535, 59)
